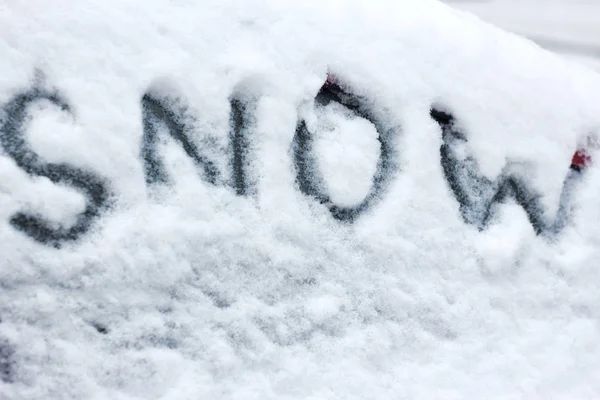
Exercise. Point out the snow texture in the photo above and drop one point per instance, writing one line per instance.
(292, 200)
(568, 27)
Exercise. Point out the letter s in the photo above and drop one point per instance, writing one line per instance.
(13, 142)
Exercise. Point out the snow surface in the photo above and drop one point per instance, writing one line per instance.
(186, 290)
(569, 27)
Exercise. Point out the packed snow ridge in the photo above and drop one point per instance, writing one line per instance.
(292, 200)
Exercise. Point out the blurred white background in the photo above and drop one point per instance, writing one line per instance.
(569, 27)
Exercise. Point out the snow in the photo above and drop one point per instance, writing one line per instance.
(181, 288)
(569, 27)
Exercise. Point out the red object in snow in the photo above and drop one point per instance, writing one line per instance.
(331, 80)
(580, 160)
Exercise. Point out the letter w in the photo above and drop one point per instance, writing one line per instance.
(478, 196)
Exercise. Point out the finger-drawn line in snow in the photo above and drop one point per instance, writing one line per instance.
(241, 122)
(7, 362)
(479, 196)
(13, 142)
(156, 110)
(311, 182)
(163, 110)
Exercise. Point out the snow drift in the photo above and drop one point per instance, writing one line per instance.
(284, 200)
